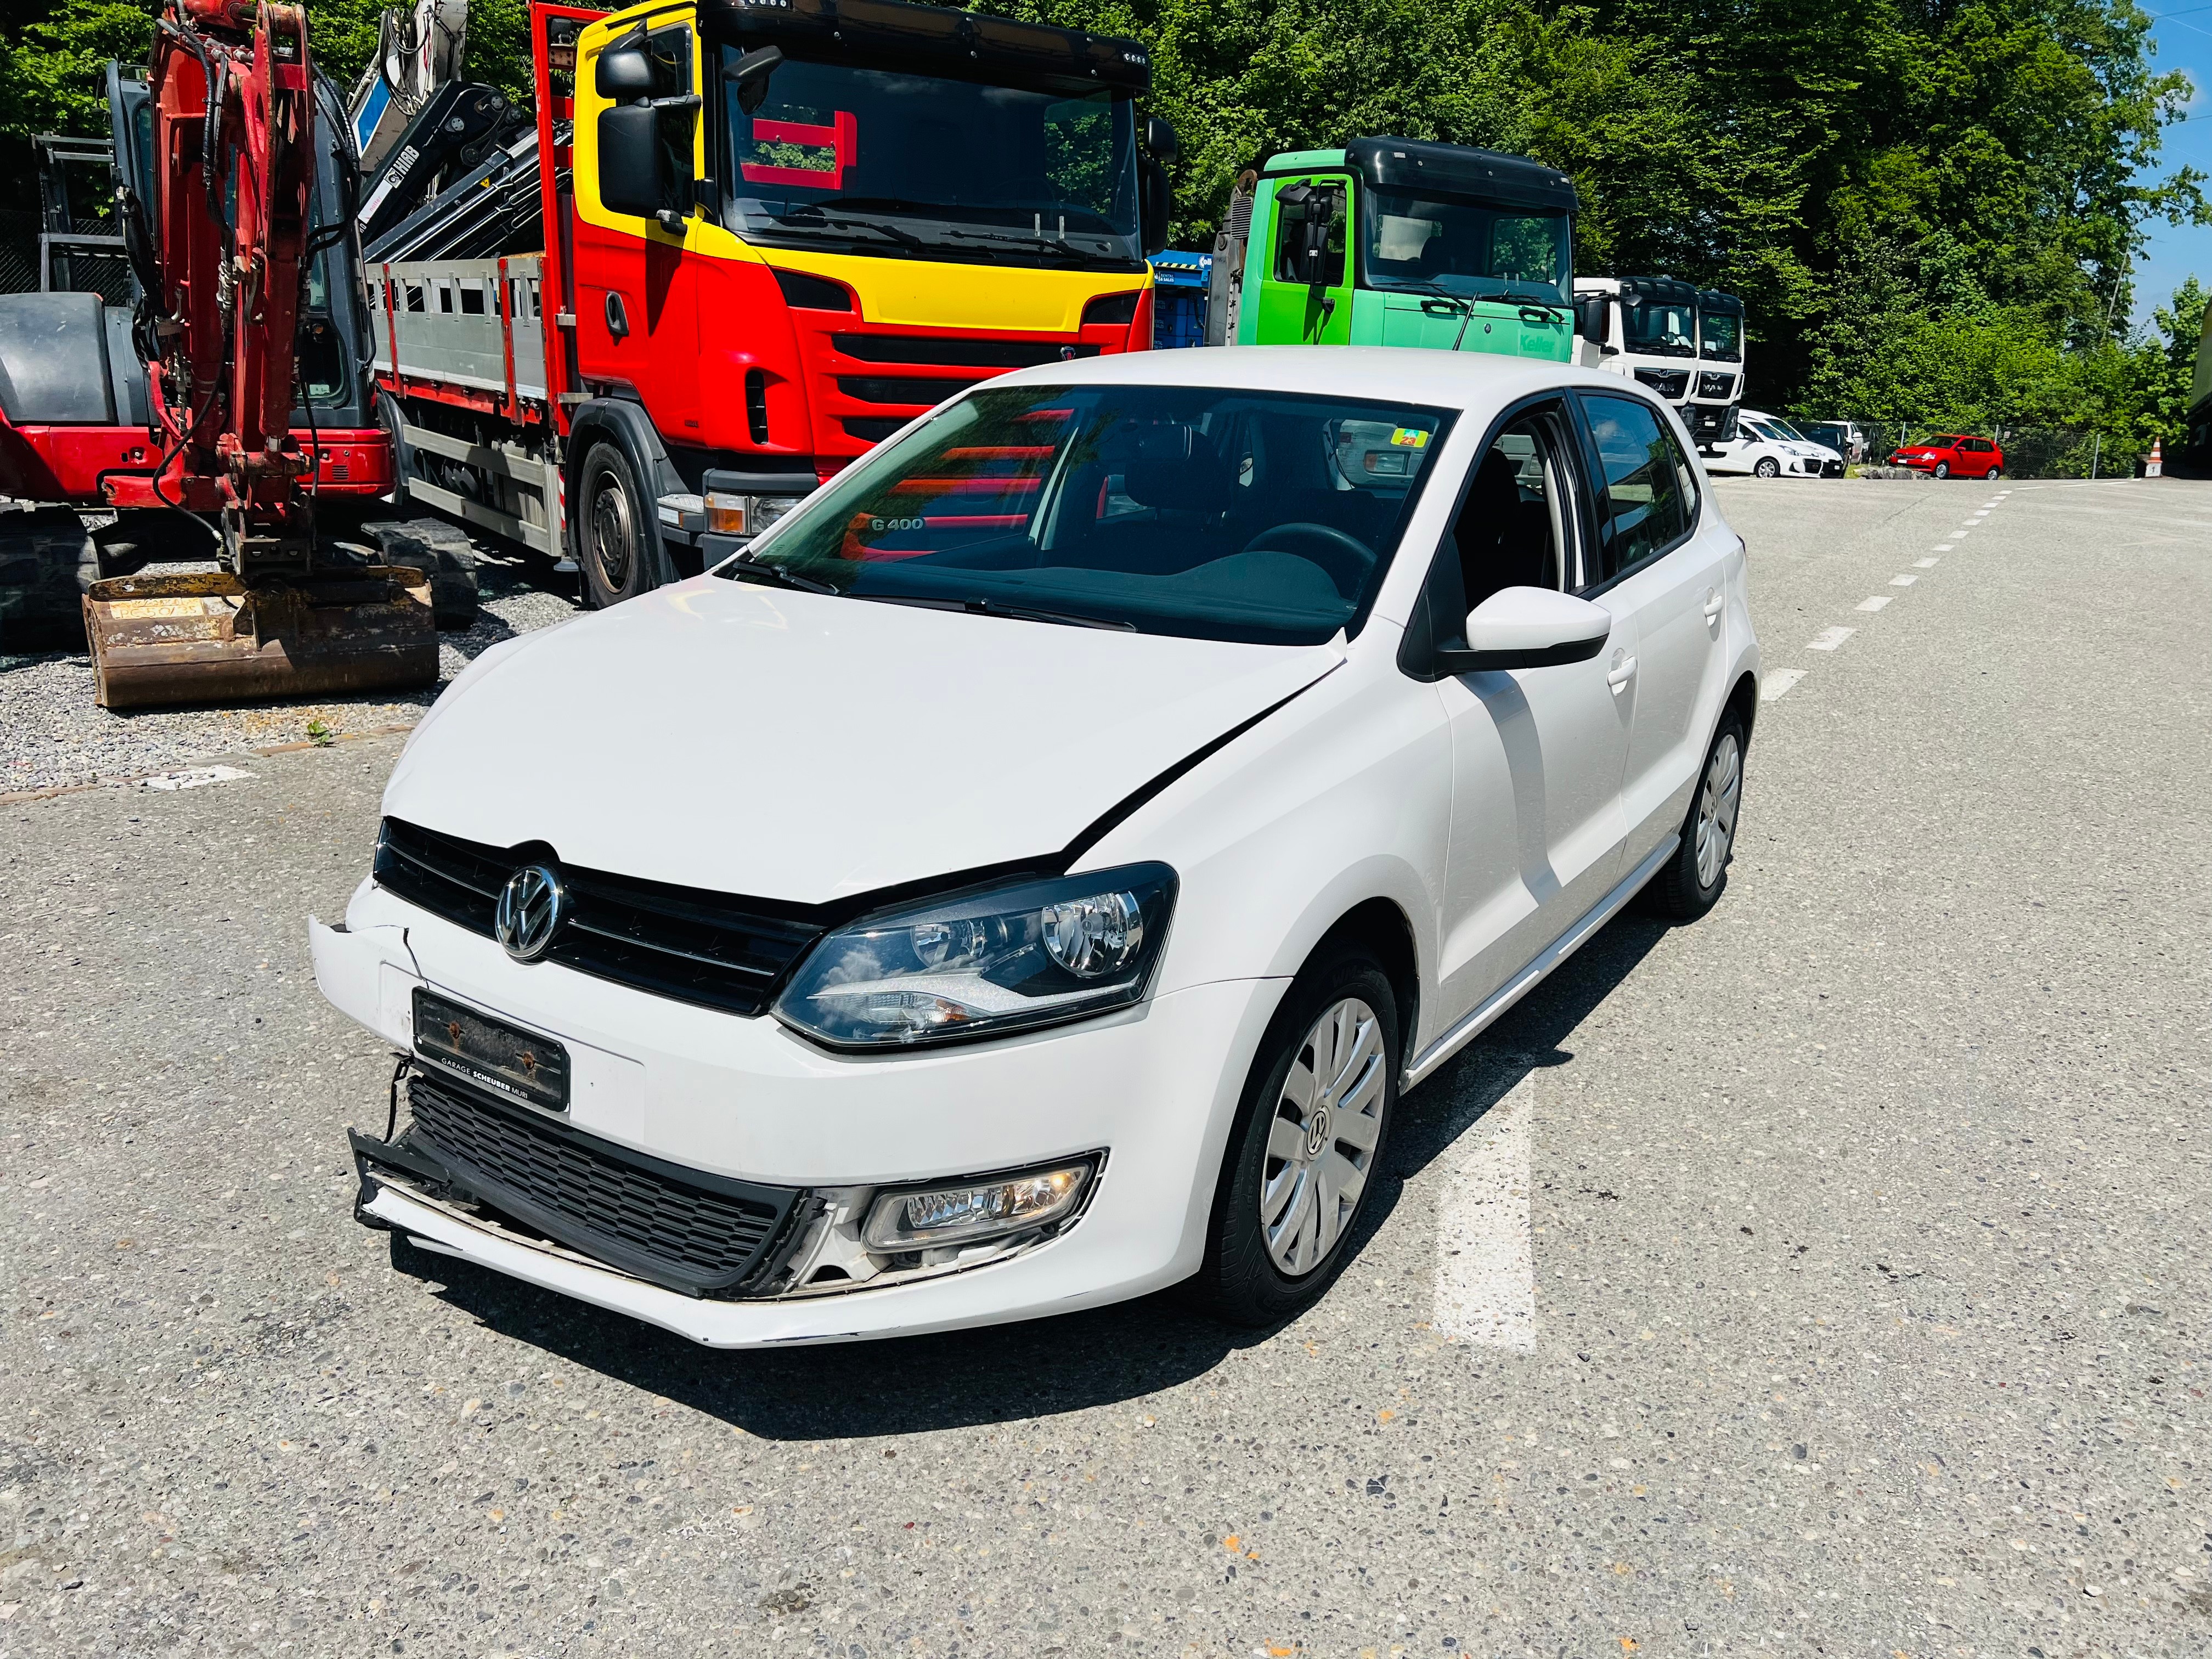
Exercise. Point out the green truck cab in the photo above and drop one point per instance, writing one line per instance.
(1389, 241)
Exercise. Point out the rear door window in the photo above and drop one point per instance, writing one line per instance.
(1647, 486)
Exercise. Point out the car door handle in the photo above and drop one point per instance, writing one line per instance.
(1619, 677)
(617, 316)
(1714, 604)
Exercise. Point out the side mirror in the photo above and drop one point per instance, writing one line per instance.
(625, 72)
(1528, 627)
(749, 74)
(1155, 204)
(1590, 317)
(630, 160)
(1160, 139)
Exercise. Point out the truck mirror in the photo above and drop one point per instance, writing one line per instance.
(1590, 317)
(1155, 204)
(630, 160)
(625, 72)
(1160, 139)
(750, 76)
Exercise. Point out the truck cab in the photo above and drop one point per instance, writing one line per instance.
(1717, 394)
(1643, 327)
(1389, 241)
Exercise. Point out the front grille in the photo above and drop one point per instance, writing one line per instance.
(957, 354)
(871, 428)
(1669, 383)
(1716, 386)
(694, 1232)
(713, 948)
(889, 389)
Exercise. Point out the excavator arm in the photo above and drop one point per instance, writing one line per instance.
(233, 236)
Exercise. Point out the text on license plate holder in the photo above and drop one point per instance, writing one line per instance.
(524, 1066)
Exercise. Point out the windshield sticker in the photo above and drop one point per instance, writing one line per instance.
(1409, 437)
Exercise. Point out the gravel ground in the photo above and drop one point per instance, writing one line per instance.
(53, 735)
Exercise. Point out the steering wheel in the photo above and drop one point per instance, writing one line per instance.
(1346, 559)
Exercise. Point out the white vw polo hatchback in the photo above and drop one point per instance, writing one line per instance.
(1030, 875)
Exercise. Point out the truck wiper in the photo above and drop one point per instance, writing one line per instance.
(745, 567)
(812, 212)
(1534, 299)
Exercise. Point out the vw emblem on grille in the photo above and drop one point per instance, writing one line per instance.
(532, 907)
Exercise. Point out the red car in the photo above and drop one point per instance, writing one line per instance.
(1967, 457)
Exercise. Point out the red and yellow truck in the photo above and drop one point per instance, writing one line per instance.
(775, 232)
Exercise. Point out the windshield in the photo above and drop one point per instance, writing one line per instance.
(1722, 335)
(1787, 433)
(881, 162)
(1464, 247)
(1659, 331)
(1946, 441)
(1209, 514)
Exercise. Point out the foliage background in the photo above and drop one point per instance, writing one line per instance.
(1930, 207)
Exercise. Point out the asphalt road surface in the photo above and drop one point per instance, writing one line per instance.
(1827, 1277)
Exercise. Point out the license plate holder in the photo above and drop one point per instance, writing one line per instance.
(491, 1053)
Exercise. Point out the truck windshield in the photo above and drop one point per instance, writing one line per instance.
(1206, 513)
(1722, 333)
(885, 162)
(1425, 243)
(1654, 329)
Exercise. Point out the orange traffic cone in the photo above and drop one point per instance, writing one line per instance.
(2155, 467)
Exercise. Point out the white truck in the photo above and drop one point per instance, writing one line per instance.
(1686, 344)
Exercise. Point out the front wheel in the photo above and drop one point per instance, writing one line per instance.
(1993, 473)
(615, 540)
(1692, 880)
(1942, 469)
(1307, 1146)
(1767, 467)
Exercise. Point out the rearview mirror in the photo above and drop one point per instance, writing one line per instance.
(1590, 320)
(1155, 204)
(625, 72)
(630, 160)
(1528, 627)
(1160, 139)
(750, 74)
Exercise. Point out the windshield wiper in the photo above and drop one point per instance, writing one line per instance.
(993, 608)
(745, 567)
(1537, 299)
(812, 212)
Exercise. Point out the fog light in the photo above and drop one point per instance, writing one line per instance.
(922, 1219)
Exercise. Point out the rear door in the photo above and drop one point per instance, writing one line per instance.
(1665, 569)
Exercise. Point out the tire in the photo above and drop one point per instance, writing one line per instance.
(1692, 882)
(1993, 473)
(1942, 469)
(616, 548)
(1766, 467)
(1341, 1002)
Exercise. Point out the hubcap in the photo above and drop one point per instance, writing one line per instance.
(610, 533)
(1327, 1120)
(1716, 805)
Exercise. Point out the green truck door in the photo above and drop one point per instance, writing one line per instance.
(1305, 287)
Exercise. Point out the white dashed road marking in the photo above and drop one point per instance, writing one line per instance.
(1485, 1284)
(1780, 681)
(1926, 564)
(1877, 602)
(1831, 638)
(1945, 547)
(1903, 581)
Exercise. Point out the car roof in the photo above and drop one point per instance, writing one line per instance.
(1445, 379)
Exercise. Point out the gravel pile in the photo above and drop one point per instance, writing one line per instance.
(52, 734)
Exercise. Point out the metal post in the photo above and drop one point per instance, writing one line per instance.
(2096, 447)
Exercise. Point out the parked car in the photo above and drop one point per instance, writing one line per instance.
(1029, 875)
(1847, 438)
(1768, 446)
(1952, 453)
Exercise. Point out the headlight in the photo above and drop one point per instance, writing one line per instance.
(979, 964)
(745, 515)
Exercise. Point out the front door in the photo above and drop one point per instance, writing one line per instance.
(1537, 753)
(1305, 288)
(1667, 560)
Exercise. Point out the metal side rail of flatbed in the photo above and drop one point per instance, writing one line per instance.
(460, 344)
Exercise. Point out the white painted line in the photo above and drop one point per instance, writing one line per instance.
(1877, 602)
(1983, 513)
(1903, 581)
(1927, 564)
(193, 777)
(1778, 683)
(1945, 547)
(1485, 1283)
(1831, 638)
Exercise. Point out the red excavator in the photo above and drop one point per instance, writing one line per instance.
(222, 252)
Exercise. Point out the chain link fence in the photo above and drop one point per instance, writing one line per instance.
(2030, 452)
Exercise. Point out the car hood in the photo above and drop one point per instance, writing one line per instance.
(750, 740)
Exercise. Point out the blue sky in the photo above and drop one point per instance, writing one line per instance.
(2184, 34)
